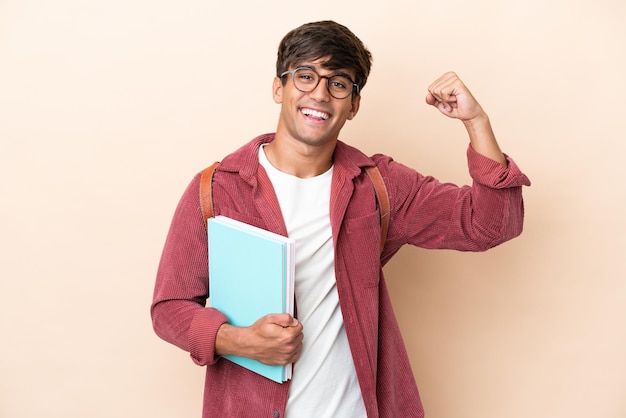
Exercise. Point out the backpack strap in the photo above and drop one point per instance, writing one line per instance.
(206, 192)
(382, 197)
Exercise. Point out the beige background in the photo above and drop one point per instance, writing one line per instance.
(108, 108)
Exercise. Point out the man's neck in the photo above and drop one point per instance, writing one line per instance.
(299, 159)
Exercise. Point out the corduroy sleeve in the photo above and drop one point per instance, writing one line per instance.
(178, 310)
(492, 174)
(432, 214)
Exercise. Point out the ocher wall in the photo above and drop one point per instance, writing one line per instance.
(108, 108)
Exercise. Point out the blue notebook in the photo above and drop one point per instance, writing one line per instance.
(251, 274)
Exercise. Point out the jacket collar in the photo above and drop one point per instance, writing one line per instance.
(245, 161)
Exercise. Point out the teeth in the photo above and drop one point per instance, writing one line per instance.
(315, 113)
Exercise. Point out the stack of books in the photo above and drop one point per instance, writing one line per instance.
(251, 274)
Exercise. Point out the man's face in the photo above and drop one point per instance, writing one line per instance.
(316, 117)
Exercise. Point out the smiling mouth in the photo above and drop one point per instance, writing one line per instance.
(315, 113)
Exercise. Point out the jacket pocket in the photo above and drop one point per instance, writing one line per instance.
(361, 246)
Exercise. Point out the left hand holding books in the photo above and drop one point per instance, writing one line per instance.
(274, 339)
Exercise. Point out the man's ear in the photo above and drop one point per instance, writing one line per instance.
(356, 103)
(277, 90)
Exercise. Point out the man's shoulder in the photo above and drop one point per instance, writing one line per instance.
(349, 154)
(246, 156)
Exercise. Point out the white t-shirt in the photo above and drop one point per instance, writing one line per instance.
(324, 382)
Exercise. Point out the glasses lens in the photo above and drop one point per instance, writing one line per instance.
(339, 86)
(305, 79)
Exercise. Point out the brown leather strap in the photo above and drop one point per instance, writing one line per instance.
(382, 196)
(206, 192)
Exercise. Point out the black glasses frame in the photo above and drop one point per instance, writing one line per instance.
(355, 86)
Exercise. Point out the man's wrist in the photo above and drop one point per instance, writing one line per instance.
(478, 122)
(226, 339)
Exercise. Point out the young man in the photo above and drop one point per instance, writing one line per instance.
(303, 182)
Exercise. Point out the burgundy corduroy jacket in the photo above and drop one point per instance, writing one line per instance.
(424, 212)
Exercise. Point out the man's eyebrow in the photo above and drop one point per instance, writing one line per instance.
(309, 66)
(343, 74)
(338, 72)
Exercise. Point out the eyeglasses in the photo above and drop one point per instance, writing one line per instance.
(306, 80)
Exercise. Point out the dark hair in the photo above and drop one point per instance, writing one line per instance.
(316, 40)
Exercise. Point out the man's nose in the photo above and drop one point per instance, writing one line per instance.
(320, 92)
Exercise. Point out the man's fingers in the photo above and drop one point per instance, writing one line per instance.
(446, 88)
(444, 104)
(284, 320)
